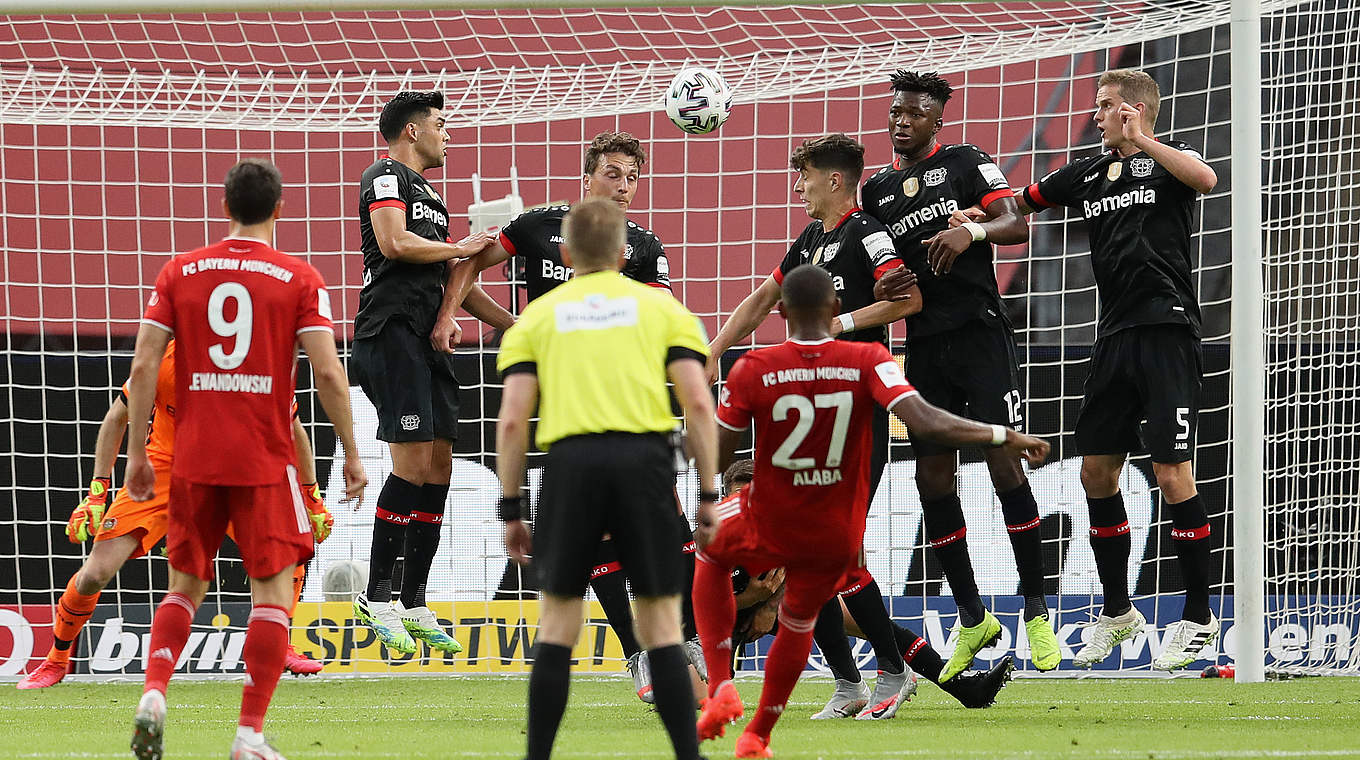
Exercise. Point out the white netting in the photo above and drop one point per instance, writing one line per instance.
(1312, 106)
(115, 133)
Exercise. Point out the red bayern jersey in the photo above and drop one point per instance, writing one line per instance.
(812, 405)
(236, 309)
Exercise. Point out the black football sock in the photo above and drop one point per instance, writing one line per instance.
(1110, 543)
(611, 588)
(866, 607)
(422, 541)
(687, 596)
(1190, 534)
(948, 534)
(396, 501)
(674, 698)
(918, 653)
(1021, 513)
(549, 684)
(829, 633)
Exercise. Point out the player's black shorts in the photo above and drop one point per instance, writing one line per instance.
(617, 483)
(971, 371)
(410, 384)
(1145, 373)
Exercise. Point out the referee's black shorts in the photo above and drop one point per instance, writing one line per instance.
(1143, 373)
(617, 483)
(970, 371)
(411, 385)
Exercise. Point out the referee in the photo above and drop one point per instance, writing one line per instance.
(602, 347)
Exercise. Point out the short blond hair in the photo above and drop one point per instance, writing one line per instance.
(1135, 86)
(594, 232)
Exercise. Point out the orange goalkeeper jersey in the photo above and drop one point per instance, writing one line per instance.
(160, 431)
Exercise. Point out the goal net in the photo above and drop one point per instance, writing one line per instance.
(116, 131)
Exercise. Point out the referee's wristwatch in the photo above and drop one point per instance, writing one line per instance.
(711, 497)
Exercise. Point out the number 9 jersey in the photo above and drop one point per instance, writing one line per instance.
(236, 310)
(812, 404)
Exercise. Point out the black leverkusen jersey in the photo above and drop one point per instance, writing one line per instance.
(1138, 216)
(536, 235)
(915, 202)
(856, 252)
(398, 288)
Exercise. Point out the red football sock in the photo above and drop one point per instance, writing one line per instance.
(715, 612)
(264, 651)
(169, 632)
(785, 662)
(73, 612)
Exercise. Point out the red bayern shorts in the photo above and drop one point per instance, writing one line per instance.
(809, 582)
(269, 523)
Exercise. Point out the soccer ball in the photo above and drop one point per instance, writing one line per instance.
(698, 100)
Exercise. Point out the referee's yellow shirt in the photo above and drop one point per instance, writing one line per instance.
(599, 344)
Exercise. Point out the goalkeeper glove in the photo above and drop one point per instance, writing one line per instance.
(84, 521)
(321, 518)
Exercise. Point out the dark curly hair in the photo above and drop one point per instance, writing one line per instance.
(927, 82)
(613, 142)
(833, 152)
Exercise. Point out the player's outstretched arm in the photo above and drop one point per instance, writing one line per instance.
(460, 283)
(84, 521)
(935, 424)
(320, 517)
(400, 244)
(141, 385)
(879, 312)
(749, 315)
(701, 432)
(512, 442)
(332, 387)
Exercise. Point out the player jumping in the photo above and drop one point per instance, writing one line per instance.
(810, 399)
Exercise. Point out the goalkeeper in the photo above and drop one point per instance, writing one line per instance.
(126, 529)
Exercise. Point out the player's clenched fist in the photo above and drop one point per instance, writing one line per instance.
(140, 479)
(84, 521)
(320, 517)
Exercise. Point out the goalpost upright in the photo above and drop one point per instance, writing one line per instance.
(1248, 347)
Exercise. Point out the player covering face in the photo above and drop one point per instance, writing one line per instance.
(809, 399)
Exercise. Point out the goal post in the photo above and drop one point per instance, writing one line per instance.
(116, 130)
(1248, 351)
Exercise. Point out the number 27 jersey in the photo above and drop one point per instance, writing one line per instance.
(236, 309)
(812, 405)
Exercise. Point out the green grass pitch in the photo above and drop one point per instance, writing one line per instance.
(483, 717)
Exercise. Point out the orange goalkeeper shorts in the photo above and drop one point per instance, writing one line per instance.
(144, 520)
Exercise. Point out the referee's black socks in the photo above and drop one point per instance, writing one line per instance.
(674, 697)
(422, 541)
(1190, 534)
(1110, 544)
(1021, 513)
(549, 685)
(397, 500)
(948, 535)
